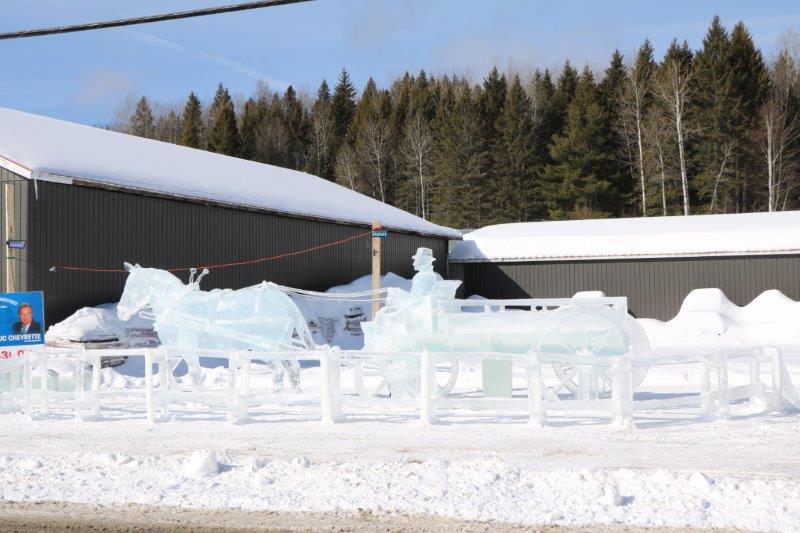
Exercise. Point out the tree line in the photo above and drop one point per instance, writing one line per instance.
(716, 130)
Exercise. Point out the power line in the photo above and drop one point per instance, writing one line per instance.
(147, 20)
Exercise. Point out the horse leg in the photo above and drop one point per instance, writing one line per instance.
(277, 375)
(195, 370)
(293, 371)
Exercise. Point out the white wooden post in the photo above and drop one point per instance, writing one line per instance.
(376, 269)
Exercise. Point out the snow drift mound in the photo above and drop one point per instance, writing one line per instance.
(707, 319)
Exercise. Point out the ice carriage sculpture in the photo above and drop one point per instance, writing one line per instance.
(430, 319)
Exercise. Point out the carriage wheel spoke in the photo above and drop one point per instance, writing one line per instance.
(601, 344)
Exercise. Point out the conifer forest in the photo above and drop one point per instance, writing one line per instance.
(712, 130)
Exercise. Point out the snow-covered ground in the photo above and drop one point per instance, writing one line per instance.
(677, 469)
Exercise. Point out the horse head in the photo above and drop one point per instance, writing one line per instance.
(145, 287)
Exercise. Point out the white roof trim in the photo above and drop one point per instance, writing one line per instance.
(15, 167)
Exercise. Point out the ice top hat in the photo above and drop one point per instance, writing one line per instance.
(423, 257)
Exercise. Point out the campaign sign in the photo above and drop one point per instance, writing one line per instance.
(21, 319)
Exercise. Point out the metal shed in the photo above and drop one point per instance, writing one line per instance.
(87, 197)
(655, 262)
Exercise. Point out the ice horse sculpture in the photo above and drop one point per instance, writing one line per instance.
(258, 318)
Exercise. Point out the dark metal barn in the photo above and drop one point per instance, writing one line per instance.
(90, 198)
(655, 262)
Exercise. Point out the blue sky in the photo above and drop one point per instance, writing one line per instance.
(83, 77)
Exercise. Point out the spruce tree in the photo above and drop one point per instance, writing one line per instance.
(193, 122)
(622, 175)
(515, 157)
(712, 106)
(142, 123)
(578, 177)
(491, 100)
(343, 108)
(223, 136)
(297, 129)
(322, 133)
(749, 84)
(248, 130)
(565, 91)
(458, 198)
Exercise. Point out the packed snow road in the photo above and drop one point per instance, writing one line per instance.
(676, 470)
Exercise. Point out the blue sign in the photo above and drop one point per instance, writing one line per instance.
(21, 318)
(380, 233)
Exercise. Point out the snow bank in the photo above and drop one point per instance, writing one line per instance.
(54, 150)
(707, 235)
(707, 319)
(485, 489)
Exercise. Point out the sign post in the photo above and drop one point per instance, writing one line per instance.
(377, 234)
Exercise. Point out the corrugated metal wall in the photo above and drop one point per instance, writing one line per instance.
(655, 287)
(75, 225)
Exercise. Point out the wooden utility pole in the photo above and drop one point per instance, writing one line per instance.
(8, 233)
(376, 268)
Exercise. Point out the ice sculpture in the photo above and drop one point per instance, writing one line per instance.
(260, 318)
(429, 317)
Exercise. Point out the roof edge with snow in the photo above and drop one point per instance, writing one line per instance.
(41, 148)
(723, 235)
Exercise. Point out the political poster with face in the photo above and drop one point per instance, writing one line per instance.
(22, 318)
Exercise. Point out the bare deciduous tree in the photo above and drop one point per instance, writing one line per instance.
(780, 132)
(416, 149)
(673, 88)
(322, 137)
(632, 111)
(346, 167)
(374, 152)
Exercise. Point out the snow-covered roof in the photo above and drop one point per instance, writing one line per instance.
(53, 150)
(675, 236)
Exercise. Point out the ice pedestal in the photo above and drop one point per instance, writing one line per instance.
(496, 376)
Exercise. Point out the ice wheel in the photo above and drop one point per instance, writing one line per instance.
(377, 377)
(591, 330)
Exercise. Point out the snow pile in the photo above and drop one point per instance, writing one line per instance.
(202, 463)
(100, 324)
(732, 234)
(708, 320)
(486, 489)
(54, 150)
